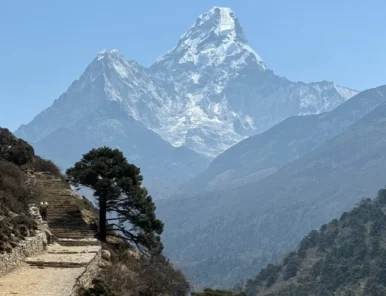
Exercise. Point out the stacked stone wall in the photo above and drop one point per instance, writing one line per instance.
(29, 247)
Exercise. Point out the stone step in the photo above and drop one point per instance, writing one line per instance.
(74, 230)
(78, 226)
(56, 224)
(63, 203)
(78, 242)
(63, 207)
(57, 264)
(56, 215)
(63, 221)
(61, 260)
(62, 199)
(61, 217)
(75, 238)
(58, 249)
(69, 211)
(72, 235)
(85, 231)
(64, 227)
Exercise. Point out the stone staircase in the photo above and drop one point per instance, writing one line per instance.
(71, 261)
(64, 212)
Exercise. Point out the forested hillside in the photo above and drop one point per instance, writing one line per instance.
(346, 257)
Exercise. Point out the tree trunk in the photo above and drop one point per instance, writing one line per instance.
(102, 218)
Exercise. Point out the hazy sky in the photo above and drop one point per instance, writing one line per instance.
(46, 44)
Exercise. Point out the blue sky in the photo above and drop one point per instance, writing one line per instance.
(45, 44)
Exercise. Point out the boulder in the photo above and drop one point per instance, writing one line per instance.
(134, 254)
(106, 255)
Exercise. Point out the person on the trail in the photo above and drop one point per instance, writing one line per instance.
(43, 210)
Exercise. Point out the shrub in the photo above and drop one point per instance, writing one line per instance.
(156, 276)
(44, 165)
(13, 149)
(14, 194)
(99, 287)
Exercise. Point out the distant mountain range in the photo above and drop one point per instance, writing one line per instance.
(209, 92)
(232, 232)
(263, 154)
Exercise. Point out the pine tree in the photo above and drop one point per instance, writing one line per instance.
(117, 186)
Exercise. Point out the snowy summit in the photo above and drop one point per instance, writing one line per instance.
(215, 36)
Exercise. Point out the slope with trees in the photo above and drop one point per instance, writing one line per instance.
(345, 257)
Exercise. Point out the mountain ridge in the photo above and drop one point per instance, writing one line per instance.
(258, 156)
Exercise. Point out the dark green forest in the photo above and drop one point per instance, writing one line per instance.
(346, 257)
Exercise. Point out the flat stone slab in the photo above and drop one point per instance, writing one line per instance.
(61, 260)
(59, 249)
(78, 242)
(27, 281)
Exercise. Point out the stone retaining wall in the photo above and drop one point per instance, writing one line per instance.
(29, 247)
(90, 273)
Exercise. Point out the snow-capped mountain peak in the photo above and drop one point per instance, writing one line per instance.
(106, 63)
(207, 93)
(214, 38)
(220, 21)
